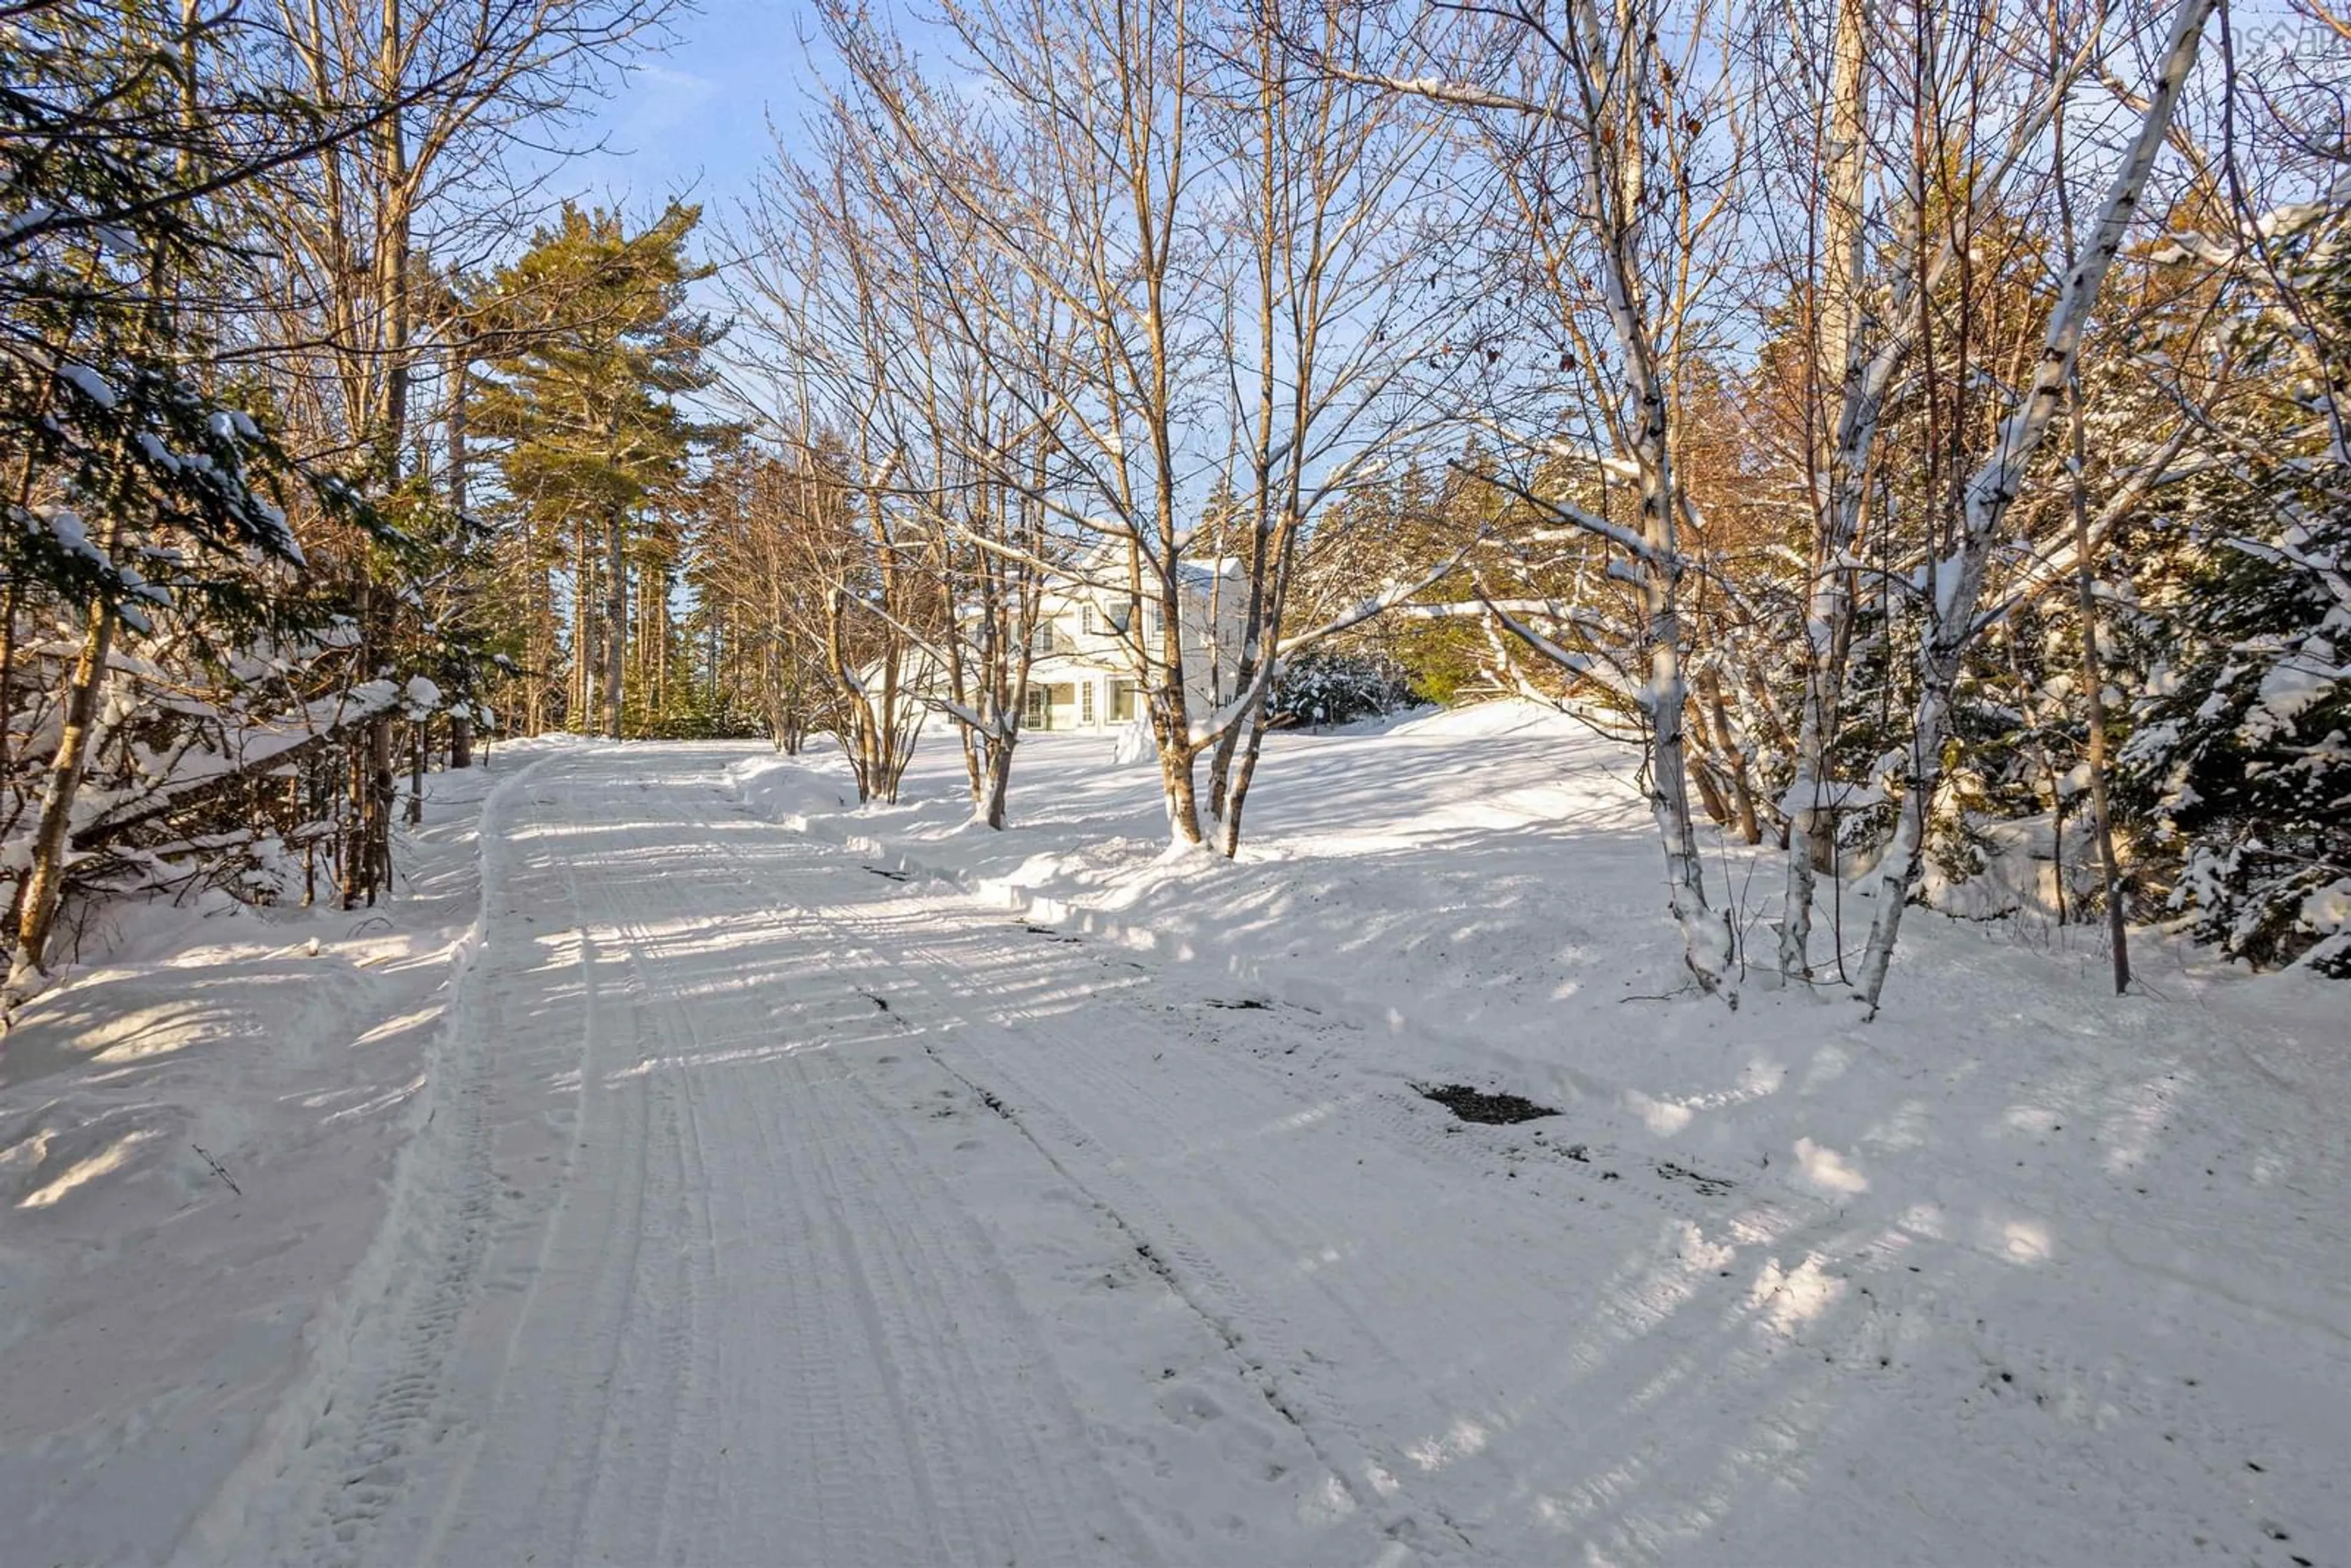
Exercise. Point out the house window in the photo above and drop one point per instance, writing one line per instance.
(1151, 621)
(1085, 702)
(1038, 707)
(1086, 620)
(1121, 701)
(1042, 642)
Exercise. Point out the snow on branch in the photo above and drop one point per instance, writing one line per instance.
(248, 750)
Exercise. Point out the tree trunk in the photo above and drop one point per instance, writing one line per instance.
(1993, 490)
(461, 722)
(1182, 802)
(351, 821)
(1613, 164)
(616, 619)
(1726, 742)
(584, 641)
(1710, 797)
(384, 793)
(45, 879)
(2095, 704)
(417, 733)
(1170, 710)
(657, 598)
(1241, 770)
(999, 780)
(1837, 478)
(394, 291)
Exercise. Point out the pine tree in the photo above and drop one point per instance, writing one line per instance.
(2239, 765)
(597, 343)
(135, 488)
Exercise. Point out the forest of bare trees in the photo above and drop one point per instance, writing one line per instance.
(1921, 430)
(1843, 400)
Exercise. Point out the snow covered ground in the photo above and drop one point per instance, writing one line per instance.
(153, 1314)
(776, 1182)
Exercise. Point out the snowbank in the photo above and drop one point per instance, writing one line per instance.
(199, 1133)
(2133, 1212)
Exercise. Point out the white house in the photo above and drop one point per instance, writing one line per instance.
(1084, 673)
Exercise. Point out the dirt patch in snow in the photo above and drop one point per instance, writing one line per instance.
(1476, 1105)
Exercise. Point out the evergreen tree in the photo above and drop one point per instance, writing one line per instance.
(2240, 764)
(136, 489)
(597, 344)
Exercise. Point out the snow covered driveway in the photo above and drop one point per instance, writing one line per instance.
(775, 1208)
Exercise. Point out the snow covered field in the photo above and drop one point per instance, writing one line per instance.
(761, 1180)
(150, 1317)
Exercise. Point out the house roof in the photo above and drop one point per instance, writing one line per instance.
(1102, 555)
(1203, 575)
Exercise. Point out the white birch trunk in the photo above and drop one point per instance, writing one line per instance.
(1613, 98)
(1837, 488)
(1993, 490)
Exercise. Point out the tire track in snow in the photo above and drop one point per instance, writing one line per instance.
(1284, 1373)
(315, 1480)
(542, 1233)
(753, 1319)
(1214, 1309)
(634, 1284)
(909, 1308)
(1835, 1305)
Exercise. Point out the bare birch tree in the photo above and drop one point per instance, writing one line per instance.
(1336, 352)
(1595, 124)
(1956, 581)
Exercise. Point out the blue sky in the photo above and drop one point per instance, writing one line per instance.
(694, 121)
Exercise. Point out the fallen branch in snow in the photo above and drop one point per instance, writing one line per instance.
(217, 1170)
(1675, 994)
(257, 749)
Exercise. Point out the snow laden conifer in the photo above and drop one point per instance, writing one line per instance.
(141, 501)
(593, 346)
(2240, 763)
(1338, 686)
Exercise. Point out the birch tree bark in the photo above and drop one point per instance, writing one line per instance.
(1838, 471)
(1581, 100)
(1993, 489)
